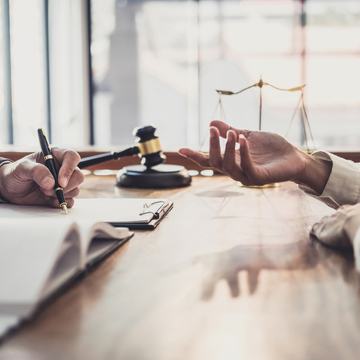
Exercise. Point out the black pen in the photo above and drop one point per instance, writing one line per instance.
(49, 162)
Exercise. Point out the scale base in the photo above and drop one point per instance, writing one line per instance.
(158, 177)
(261, 187)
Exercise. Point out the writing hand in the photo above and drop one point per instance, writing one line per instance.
(262, 158)
(29, 182)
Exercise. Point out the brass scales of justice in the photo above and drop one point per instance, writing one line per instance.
(304, 118)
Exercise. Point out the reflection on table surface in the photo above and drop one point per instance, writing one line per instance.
(231, 273)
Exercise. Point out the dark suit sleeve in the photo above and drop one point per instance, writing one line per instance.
(4, 160)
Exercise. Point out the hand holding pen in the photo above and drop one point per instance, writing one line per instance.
(28, 181)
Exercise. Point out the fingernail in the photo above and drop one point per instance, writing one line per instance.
(47, 182)
(229, 133)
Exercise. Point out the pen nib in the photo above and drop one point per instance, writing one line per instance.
(64, 208)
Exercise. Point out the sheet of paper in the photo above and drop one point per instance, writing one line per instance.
(117, 210)
(28, 249)
(32, 238)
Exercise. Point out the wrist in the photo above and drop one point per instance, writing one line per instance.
(316, 173)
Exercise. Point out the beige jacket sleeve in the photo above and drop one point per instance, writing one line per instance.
(343, 186)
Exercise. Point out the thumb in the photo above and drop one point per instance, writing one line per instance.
(39, 173)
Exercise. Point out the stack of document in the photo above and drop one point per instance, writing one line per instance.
(42, 250)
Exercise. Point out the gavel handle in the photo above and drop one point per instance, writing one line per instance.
(98, 159)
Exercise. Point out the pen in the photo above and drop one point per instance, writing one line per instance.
(49, 162)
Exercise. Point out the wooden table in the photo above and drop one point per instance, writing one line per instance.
(230, 274)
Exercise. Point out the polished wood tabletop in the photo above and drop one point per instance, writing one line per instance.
(230, 273)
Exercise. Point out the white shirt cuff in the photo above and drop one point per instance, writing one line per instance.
(343, 185)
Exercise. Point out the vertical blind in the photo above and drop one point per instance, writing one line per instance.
(43, 78)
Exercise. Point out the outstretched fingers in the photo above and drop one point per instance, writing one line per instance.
(196, 156)
(215, 157)
(247, 164)
(231, 165)
(223, 129)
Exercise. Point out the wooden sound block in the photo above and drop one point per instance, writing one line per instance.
(158, 177)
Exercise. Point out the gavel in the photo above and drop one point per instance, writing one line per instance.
(148, 146)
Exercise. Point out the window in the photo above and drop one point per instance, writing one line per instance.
(43, 79)
(69, 77)
(160, 62)
(145, 66)
(27, 70)
(5, 101)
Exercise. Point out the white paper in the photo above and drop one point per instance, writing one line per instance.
(116, 210)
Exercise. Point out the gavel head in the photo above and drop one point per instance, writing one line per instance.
(149, 146)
